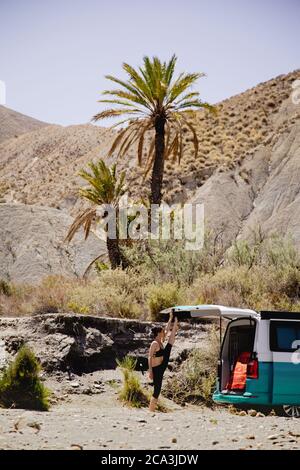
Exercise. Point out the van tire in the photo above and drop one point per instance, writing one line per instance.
(292, 411)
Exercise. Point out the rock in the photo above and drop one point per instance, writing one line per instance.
(174, 440)
(250, 437)
(242, 413)
(252, 413)
(34, 236)
(273, 436)
(214, 443)
(76, 447)
(260, 415)
(74, 384)
(294, 434)
(34, 425)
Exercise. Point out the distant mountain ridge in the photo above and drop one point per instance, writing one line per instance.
(13, 124)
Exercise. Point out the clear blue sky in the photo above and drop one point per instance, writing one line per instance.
(54, 53)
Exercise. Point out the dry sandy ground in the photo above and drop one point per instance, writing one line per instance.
(99, 421)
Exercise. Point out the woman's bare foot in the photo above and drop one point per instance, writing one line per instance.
(153, 404)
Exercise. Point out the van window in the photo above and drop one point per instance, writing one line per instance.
(283, 334)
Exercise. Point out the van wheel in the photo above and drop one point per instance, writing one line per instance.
(291, 411)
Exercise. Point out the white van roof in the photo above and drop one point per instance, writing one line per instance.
(213, 311)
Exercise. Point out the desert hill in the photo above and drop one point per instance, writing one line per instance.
(40, 167)
(13, 124)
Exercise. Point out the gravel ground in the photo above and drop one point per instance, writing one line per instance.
(88, 415)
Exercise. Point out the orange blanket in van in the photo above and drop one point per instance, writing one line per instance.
(239, 374)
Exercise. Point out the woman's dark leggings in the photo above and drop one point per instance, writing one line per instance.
(158, 371)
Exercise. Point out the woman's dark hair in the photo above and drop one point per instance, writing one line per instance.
(155, 331)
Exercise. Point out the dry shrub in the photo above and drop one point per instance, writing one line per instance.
(196, 378)
(52, 295)
(122, 292)
(162, 296)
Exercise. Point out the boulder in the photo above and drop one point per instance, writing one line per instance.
(32, 244)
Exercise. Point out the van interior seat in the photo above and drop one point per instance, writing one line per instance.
(238, 377)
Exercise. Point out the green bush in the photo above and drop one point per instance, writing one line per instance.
(281, 252)
(20, 386)
(162, 296)
(132, 392)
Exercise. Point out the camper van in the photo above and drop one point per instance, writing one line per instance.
(259, 360)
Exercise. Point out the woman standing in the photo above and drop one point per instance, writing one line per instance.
(159, 356)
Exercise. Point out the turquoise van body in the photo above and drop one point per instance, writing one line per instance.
(272, 339)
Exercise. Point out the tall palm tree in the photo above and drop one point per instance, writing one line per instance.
(151, 99)
(104, 188)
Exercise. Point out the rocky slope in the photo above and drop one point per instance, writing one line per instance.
(263, 191)
(13, 124)
(40, 167)
(32, 244)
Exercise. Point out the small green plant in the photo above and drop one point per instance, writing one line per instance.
(5, 288)
(76, 308)
(20, 385)
(132, 392)
(100, 266)
(112, 383)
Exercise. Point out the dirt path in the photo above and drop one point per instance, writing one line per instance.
(99, 421)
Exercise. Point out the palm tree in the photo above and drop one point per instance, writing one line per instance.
(151, 99)
(104, 188)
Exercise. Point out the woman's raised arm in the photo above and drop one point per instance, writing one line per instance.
(168, 325)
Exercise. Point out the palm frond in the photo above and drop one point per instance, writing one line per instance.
(84, 219)
(109, 113)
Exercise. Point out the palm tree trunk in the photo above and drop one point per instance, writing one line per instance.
(116, 257)
(158, 166)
